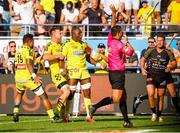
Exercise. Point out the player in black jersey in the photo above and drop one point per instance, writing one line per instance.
(162, 61)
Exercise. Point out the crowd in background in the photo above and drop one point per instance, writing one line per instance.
(20, 13)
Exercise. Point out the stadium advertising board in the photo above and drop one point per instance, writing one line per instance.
(135, 84)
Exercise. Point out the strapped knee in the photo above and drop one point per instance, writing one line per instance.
(72, 87)
(39, 91)
(86, 86)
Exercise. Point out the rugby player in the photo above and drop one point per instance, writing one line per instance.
(25, 78)
(52, 54)
(77, 53)
(162, 61)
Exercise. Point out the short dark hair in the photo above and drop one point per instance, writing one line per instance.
(161, 35)
(12, 42)
(116, 29)
(27, 37)
(75, 29)
(55, 28)
(151, 37)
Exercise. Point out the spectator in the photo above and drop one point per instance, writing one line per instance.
(101, 57)
(15, 8)
(40, 18)
(129, 5)
(83, 9)
(122, 6)
(131, 61)
(151, 44)
(76, 3)
(146, 16)
(95, 16)
(39, 65)
(2, 59)
(122, 18)
(175, 51)
(6, 17)
(173, 12)
(48, 6)
(69, 16)
(105, 5)
(58, 9)
(27, 17)
(153, 3)
(1, 27)
(10, 57)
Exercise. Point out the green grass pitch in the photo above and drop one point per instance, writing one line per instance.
(102, 124)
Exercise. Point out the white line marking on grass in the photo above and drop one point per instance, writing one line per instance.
(42, 120)
(146, 130)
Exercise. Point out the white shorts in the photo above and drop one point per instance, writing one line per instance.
(152, 3)
(132, 4)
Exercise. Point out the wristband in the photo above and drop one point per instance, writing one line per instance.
(98, 65)
(33, 75)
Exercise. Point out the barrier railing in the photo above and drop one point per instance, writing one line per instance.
(86, 27)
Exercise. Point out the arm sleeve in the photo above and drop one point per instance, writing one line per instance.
(147, 53)
(171, 56)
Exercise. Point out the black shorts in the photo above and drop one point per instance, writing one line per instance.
(117, 79)
(159, 80)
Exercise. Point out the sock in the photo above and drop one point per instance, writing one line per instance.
(176, 104)
(87, 103)
(50, 113)
(159, 113)
(153, 110)
(16, 108)
(58, 108)
(123, 108)
(144, 97)
(103, 102)
(67, 107)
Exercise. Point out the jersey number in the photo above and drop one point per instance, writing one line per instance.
(58, 77)
(20, 59)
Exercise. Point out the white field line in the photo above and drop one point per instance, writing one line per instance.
(11, 122)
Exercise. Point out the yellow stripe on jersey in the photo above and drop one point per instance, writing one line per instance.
(22, 73)
(75, 52)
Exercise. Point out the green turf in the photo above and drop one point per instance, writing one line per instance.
(103, 123)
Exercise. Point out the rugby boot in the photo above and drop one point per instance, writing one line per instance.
(127, 124)
(90, 119)
(16, 117)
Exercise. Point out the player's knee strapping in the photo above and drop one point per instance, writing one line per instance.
(72, 88)
(20, 91)
(86, 86)
(39, 91)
